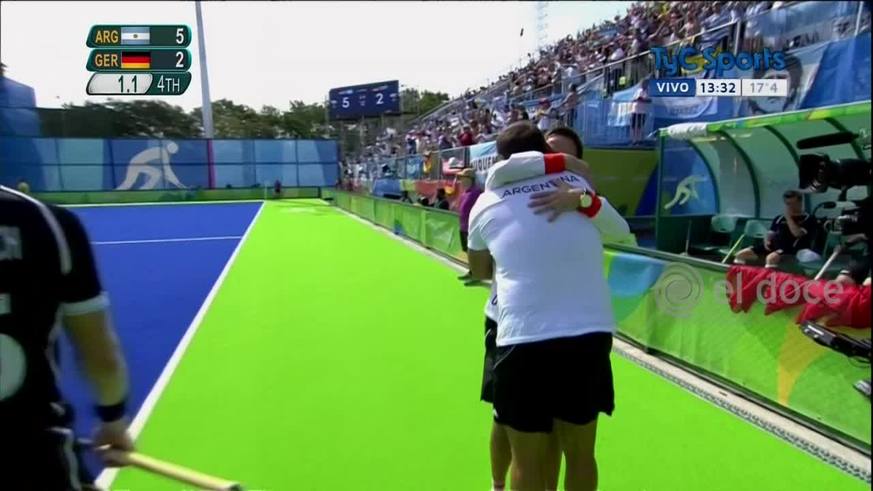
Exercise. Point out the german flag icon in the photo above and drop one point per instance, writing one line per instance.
(137, 60)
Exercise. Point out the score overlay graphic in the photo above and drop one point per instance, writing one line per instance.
(139, 60)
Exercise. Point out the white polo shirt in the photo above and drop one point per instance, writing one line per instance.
(550, 279)
(492, 311)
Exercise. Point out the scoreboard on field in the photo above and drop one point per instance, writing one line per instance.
(362, 101)
(139, 60)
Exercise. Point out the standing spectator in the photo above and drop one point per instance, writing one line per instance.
(640, 107)
(467, 178)
(465, 138)
(568, 106)
(545, 116)
(569, 79)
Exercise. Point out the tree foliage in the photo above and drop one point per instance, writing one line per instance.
(159, 119)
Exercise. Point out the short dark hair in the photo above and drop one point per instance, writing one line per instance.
(791, 193)
(571, 134)
(521, 136)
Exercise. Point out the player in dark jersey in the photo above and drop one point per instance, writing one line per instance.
(48, 279)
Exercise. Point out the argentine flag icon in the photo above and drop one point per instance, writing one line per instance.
(134, 35)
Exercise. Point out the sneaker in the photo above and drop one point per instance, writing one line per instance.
(466, 276)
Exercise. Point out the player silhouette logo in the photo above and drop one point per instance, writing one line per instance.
(140, 164)
(686, 190)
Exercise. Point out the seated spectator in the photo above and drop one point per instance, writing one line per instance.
(445, 142)
(791, 234)
(442, 201)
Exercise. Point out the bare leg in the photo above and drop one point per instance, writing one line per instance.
(577, 441)
(745, 255)
(501, 455)
(773, 259)
(527, 459)
(552, 462)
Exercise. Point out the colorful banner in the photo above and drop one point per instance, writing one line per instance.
(482, 157)
(800, 25)
(800, 71)
(93, 164)
(765, 356)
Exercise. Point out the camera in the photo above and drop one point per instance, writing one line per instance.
(818, 172)
(846, 345)
(856, 220)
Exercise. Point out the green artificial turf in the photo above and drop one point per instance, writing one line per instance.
(336, 358)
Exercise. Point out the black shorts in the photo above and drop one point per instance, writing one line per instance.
(563, 378)
(53, 452)
(787, 250)
(487, 394)
(463, 241)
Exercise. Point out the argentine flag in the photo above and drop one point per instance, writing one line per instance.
(134, 35)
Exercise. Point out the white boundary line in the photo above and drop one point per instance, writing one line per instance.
(159, 241)
(787, 429)
(108, 475)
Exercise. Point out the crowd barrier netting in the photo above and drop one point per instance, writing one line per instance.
(82, 164)
(764, 356)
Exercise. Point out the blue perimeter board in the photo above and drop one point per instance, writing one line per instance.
(155, 289)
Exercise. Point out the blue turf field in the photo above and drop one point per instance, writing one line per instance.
(156, 287)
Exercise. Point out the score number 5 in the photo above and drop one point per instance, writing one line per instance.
(379, 100)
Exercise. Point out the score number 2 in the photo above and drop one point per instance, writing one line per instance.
(380, 97)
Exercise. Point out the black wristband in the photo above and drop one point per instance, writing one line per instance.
(111, 413)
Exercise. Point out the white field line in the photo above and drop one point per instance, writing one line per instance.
(108, 475)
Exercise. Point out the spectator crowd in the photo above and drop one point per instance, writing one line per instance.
(554, 77)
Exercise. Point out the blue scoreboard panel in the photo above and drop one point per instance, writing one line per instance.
(368, 100)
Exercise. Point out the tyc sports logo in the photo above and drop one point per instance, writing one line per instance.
(691, 60)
